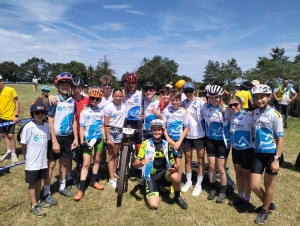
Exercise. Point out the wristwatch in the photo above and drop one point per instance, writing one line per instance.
(277, 157)
(17, 116)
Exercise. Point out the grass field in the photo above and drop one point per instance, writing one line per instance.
(99, 207)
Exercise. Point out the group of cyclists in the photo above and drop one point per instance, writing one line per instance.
(179, 122)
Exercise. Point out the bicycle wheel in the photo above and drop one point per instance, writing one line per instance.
(122, 175)
(19, 134)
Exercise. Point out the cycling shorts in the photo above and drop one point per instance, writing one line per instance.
(152, 185)
(198, 144)
(216, 148)
(284, 109)
(135, 124)
(98, 147)
(261, 162)
(243, 157)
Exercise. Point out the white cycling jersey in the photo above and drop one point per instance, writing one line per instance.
(197, 125)
(268, 127)
(92, 122)
(176, 120)
(116, 114)
(148, 114)
(133, 103)
(241, 125)
(105, 101)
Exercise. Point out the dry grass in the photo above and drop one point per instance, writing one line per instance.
(100, 207)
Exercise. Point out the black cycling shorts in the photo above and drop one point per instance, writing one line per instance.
(7, 129)
(284, 109)
(135, 124)
(178, 153)
(32, 176)
(261, 162)
(152, 186)
(65, 143)
(243, 157)
(198, 144)
(216, 148)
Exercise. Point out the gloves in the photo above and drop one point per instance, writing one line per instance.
(84, 144)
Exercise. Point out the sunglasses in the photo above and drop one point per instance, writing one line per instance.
(39, 112)
(188, 91)
(107, 84)
(148, 89)
(94, 99)
(235, 105)
(65, 74)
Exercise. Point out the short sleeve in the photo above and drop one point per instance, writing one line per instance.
(26, 134)
(51, 110)
(186, 119)
(142, 151)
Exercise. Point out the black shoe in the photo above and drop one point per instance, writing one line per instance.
(261, 217)
(271, 207)
(162, 189)
(212, 194)
(180, 202)
(246, 206)
(221, 198)
(236, 202)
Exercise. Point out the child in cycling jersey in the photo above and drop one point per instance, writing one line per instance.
(114, 115)
(159, 167)
(44, 98)
(164, 98)
(241, 125)
(177, 125)
(218, 141)
(91, 136)
(268, 147)
(195, 138)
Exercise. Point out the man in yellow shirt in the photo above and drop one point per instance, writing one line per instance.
(9, 110)
(245, 95)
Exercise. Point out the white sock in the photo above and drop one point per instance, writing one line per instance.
(62, 185)
(69, 176)
(8, 151)
(188, 177)
(199, 180)
(46, 190)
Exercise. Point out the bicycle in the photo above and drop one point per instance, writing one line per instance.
(126, 156)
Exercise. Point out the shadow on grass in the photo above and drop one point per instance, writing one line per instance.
(289, 166)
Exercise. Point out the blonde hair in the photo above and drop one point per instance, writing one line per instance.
(237, 99)
(106, 79)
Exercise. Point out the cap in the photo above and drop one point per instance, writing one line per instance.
(1, 78)
(169, 85)
(237, 84)
(255, 82)
(38, 107)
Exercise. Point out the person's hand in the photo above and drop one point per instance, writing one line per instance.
(176, 145)
(15, 120)
(275, 166)
(84, 145)
(155, 111)
(289, 101)
(56, 147)
(278, 99)
(146, 161)
(53, 100)
(173, 169)
(110, 144)
(170, 141)
(75, 144)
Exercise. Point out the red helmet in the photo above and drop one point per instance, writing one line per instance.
(131, 77)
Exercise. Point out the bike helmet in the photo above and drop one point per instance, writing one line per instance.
(95, 93)
(157, 123)
(179, 84)
(149, 85)
(205, 91)
(131, 77)
(262, 88)
(215, 90)
(76, 81)
(45, 88)
(188, 85)
(64, 77)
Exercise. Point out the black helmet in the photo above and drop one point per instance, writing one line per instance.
(76, 81)
(149, 85)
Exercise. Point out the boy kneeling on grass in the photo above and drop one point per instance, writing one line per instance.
(159, 167)
(34, 147)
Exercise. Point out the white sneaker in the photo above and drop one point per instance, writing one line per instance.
(186, 187)
(14, 158)
(112, 183)
(5, 156)
(197, 190)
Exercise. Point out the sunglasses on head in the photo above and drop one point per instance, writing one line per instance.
(148, 89)
(39, 112)
(188, 91)
(62, 75)
(235, 105)
(94, 98)
(107, 84)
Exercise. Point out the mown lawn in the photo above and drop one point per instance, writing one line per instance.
(99, 208)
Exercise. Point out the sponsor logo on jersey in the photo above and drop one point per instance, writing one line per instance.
(36, 138)
(59, 108)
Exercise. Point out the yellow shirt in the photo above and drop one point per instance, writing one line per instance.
(7, 103)
(245, 95)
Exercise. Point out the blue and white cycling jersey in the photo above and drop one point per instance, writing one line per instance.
(148, 114)
(197, 124)
(133, 104)
(241, 125)
(268, 126)
(176, 120)
(63, 114)
(92, 122)
(217, 123)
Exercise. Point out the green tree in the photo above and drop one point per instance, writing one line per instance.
(77, 69)
(212, 72)
(229, 72)
(297, 57)
(90, 74)
(104, 68)
(35, 66)
(10, 71)
(54, 70)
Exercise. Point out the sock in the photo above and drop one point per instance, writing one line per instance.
(8, 151)
(177, 194)
(246, 199)
(213, 186)
(199, 180)
(241, 195)
(32, 207)
(46, 190)
(82, 185)
(93, 179)
(188, 177)
(62, 185)
(69, 176)
(223, 188)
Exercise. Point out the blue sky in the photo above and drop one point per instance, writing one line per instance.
(190, 32)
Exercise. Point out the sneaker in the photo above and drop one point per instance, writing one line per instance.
(271, 207)
(5, 156)
(180, 202)
(212, 194)
(221, 197)
(50, 200)
(66, 192)
(236, 202)
(142, 181)
(43, 204)
(37, 211)
(78, 196)
(14, 158)
(261, 217)
(246, 206)
(69, 183)
(186, 186)
(197, 190)
(98, 186)
(112, 183)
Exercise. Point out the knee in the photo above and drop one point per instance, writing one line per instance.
(10, 136)
(153, 205)
(254, 186)
(212, 167)
(52, 165)
(221, 169)
(175, 178)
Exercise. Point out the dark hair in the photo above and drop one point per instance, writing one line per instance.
(117, 89)
(175, 93)
(164, 90)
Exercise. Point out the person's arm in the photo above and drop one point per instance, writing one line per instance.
(55, 144)
(17, 109)
(81, 126)
(186, 124)
(81, 130)
(140, 160)
(107, 131)
(275, 95)
(53, 100)
(75, 141)
(24, 148)
(294, 97)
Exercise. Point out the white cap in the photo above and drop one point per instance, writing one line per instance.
(169, 85)
(255, 82)
(1, 77)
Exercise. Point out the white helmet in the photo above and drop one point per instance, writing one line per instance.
(262, 88)
(215, 90)
(158, 123)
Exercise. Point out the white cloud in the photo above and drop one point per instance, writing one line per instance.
(110, 26)
(116, 6)
(135, 12)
